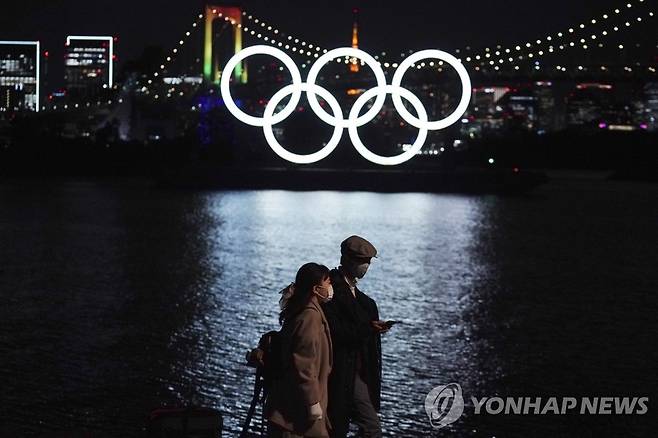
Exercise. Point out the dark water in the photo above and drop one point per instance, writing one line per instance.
(119, 298)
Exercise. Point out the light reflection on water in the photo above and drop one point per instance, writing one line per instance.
(422, 277)
(118, 299)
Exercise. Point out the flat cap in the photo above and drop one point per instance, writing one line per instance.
(355, 246)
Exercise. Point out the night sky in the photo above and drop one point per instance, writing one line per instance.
(391, 26)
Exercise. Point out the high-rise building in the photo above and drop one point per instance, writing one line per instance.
(589, 105)
(20, 64)
(651, 106)
(89, 65)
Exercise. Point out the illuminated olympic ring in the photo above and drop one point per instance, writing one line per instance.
(354, 120)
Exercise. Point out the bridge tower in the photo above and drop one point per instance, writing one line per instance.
(354, 64)
(211, 69)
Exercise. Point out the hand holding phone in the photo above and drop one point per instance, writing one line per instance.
(391, 323)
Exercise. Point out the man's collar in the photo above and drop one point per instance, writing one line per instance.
(351, 281)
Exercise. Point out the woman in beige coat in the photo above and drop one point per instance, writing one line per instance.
(297, 402)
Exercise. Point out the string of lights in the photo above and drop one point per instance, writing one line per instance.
(515, 56)
(535, 49)
(585, 43)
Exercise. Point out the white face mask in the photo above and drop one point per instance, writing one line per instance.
(328, 297)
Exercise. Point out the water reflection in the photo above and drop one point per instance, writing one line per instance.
(118, 299)
(423, 277)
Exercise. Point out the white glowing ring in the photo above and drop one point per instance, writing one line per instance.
(269, 120)
(354, 120)
(260, 50)
(354, 133)
(351, 53)
(463, 76)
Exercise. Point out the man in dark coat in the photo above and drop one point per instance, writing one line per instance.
(355, 379)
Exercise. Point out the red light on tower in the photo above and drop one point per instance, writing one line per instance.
(46, 54)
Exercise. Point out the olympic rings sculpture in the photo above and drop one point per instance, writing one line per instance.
(354, 120)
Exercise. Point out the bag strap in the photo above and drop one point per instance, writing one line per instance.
(258, 386)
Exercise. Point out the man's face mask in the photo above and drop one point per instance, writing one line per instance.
(359, 270)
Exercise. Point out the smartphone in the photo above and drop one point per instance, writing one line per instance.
(390, 324)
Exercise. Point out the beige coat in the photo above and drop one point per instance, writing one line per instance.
(304, 383)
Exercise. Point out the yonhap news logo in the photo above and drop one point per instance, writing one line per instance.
(444, 405)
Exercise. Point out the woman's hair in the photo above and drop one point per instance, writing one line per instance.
(309, 275)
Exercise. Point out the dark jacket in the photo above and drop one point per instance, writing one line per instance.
(349, 320)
